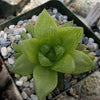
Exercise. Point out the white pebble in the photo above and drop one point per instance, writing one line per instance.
(24, 95)
(34, 97)
(24, 78)
(34, 17)
(1, 33)
(11, 26)
(5, 36)
(9, 49)
(11, 61)
(64, 21)
(4, 51)
(19, 83)
(17, 37)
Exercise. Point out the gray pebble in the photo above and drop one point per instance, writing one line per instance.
(90, 46)
(16, 31)
(24, 95)
(20, 22)
(4, 51)
(17, 37)
(10, 31)
(65, 17)
(55, 10)
(34, 97)
(98, 52)
(91, 40)
(95, 46)
(5, 43)
(31, 85)
(11, 61)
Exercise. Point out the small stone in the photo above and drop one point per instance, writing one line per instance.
(19, 83)
(1, 33)
(5, 36)
(91, 40)
(55, 11)
(95, 46)
(5, 43)
(24, 78)
(10, 31)
(85, 40)
(17, 26)
(98, 52)
(4, 51)
(26, 84)
(11, 26)
(17, 37)
(20, 22)
(16, 31)
(12, 38)
(34, 17)
(97, 34)
(11, 61)
(9, 49)
(5, 29)
(24, 95)
(64, 21)
(27, 91)
(65, 17)
(34, 97)
(22, 29)
(90, 46)
(31, 85)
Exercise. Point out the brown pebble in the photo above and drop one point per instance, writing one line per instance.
(17, 26)
(5, 29)
(73, 82)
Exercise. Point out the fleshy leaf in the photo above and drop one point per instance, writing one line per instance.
(59, 50)
(43, 23)
(81, 47)
(16, 47)
(45, 81)
(68, 24)
(16, 55)
(24, 35)
(44, 61)
(30, 29)
(22, 66)
(51, 38)
(70, 37)
(65, 65)
(30, 49)
(83, 63)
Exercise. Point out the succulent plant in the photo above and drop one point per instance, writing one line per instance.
(51, 49)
